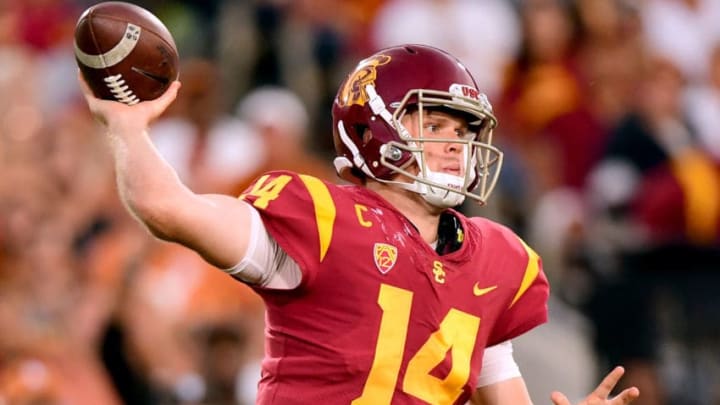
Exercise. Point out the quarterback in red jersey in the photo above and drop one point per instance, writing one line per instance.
(384, 318)
(378, 292)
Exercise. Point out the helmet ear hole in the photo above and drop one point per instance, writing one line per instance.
(366, 136)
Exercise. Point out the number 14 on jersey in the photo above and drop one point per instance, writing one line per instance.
(457, 332)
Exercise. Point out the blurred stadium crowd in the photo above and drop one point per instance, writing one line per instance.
(609, 118)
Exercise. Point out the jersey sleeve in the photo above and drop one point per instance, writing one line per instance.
(527, 307)
(299, 214)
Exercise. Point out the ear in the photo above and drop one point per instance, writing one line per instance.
(367, 136)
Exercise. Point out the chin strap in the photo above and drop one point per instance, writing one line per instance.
(440, 197)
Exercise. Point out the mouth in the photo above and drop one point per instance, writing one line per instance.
(453, 168)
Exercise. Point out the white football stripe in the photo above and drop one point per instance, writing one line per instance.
(115, 55)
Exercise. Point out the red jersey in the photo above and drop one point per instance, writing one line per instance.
(379, 317)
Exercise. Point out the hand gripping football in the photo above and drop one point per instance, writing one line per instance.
(125, 53)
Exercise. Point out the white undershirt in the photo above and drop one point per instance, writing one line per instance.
(266, 265)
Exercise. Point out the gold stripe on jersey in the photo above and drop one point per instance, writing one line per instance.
(531, 271)
(324, 210)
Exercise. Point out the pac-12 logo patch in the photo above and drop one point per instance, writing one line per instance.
(385, 256)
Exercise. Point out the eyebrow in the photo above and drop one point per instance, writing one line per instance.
(444, 118)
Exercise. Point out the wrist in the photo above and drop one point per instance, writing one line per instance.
(124, 129)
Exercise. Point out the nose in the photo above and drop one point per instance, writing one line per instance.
(453, 147)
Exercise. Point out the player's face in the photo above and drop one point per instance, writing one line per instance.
(447, 155)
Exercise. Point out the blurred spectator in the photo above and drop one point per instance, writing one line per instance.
(542, 82)
(27, 381)
(179, 314)
(703, 106)
(610, 54)
(654, 238)
(34, 379)
(279, 117)
(211, 150)
(53, 203)
(608, 58)
(540, 85)
(684, 31)
(193, 24)
(22, 120)
(567, 87)
(44, 23)
(301, 45)
(483, 34)
(47, 297)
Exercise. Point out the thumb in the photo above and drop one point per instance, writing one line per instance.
(164, 101)
(558, 398)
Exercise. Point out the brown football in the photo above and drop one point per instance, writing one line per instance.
(125, 52)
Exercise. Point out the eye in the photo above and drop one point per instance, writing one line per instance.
(432, 127)
(464, 133)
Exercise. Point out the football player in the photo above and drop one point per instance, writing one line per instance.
(376, 292)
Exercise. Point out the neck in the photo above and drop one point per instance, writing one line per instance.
(424, 216)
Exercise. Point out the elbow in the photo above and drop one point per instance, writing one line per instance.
(156, 214)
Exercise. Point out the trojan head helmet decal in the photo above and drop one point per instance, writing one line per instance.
(353, 92)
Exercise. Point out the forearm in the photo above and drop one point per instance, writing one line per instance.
(215, 226)
(512, 391)
(146, 183)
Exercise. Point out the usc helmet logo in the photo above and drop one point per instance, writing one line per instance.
(353, 91)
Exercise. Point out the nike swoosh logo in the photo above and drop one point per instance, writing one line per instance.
(482, 291)
(161, 79)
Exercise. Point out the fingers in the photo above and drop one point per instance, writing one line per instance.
(627, 396)
(164, 101)
(558, 398)
(609, 382)
(106, 110)
(601, 393)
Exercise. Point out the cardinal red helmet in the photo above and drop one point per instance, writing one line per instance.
(393, 82)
